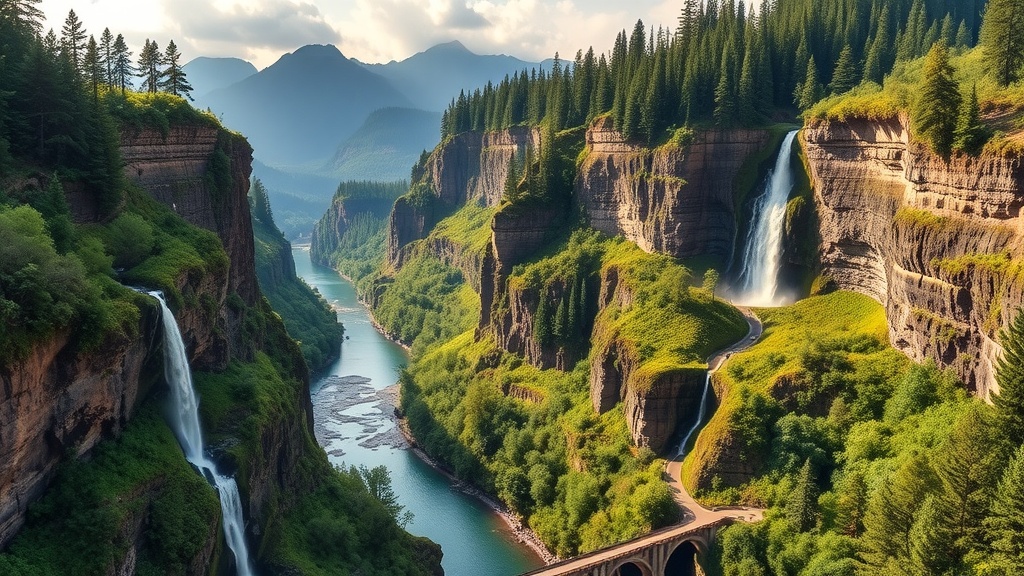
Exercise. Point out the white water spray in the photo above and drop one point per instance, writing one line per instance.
(185, 423)
(701, 412)
(762, 254)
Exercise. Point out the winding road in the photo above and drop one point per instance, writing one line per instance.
(693, 512)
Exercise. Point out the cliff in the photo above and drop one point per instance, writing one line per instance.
(676, 200)
(58, 402)
(934, 240)
(202, 174)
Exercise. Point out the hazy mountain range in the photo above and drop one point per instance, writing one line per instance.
(316, 118)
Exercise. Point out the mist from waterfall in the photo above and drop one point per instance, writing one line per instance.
(758, 280)
(184, 421)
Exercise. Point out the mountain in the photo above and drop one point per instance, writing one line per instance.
(209, 74)
(430, 79)
(298, 199)
(386, 146)
(296, 111)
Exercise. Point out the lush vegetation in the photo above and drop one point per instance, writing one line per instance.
(722, 65)
(360, 211)
(307, 316)
(867, 463)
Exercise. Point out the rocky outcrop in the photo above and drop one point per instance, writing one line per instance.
(329, 231)
(59, 401)
(934, 240)
(202, 174)
(470, 167)
(654, 402)
(677, 200)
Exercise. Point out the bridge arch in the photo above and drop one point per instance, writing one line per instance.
(632, 567)
(683, 561)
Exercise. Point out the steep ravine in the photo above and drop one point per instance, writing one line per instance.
(935, 240)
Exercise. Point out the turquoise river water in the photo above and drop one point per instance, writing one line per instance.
(353, 403)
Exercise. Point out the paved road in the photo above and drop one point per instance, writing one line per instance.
(692, 510)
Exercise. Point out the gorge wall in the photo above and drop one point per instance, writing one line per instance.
(936, 241)
(676, 200)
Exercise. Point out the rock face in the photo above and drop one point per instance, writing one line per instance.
(331, 228)
(471, 167)
(58, 401)
(674, 200)
(202, 173)
(654, 405)
(934, 240)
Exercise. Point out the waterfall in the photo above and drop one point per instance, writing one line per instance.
(184, 420)
(701, 412)
(762, 255)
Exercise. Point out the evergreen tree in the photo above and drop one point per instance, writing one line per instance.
(725, 93)
(845, 76)
(542, 323)
(1005, 524)
(810, 90)
(1009, 402)
(17, 16)
(891, 512)
(149, 66)
(851, 504)
(107, 56)
(931, 541)
(802, 504)
(94, 67)
(1002, 35)
(560, 329)
(970, 135)
(172, 79)
(511, 193)
(259, 202)
(934, 114)
(122, 69)
(73, 40)
(963, 37)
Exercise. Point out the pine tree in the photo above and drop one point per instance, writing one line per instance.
(542, 322)
(149, 66)
(122, 68)
(107, 56)
(852, 503)
(73, 40)
(725, 93)
(1009, 402)
(963, 37)
(934, 113)
(172, 79)
(970, 135)
(560, 328)
(844, 78)
(810, 90)
(892, 510)
(511, 193)
(1002, 35)
(931, 541)
(1005, 524)
(802, 504)
(94, 67)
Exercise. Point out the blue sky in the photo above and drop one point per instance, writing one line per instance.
(370, 30)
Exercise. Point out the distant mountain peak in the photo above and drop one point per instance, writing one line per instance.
(452, 46)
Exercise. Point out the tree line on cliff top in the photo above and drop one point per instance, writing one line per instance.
(725, 64)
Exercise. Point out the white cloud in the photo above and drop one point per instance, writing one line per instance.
(371, 30)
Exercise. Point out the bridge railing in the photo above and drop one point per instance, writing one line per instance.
(652, 538)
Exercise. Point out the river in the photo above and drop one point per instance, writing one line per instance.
(353, 415)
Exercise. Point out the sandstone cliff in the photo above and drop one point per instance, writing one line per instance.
(676, 200)
(934, 240)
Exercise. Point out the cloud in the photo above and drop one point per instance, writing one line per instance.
(270, 24)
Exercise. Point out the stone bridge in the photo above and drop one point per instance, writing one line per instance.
(673, 551)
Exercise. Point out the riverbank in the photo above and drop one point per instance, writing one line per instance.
(522, 533)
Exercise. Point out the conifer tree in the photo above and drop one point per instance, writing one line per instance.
(970, 133)
(511, 193)
(94, 67)
(107, 56)
(73, 40)
(892, 510)
(810, 90)
(844, 78)
(802, 504)
(1005, 524)
(149, 66)
(122, 68)
(963, 37)
(851, 504)
(934, 113)
(1002, 35)
(560, 329)
(542, 324)
(172, 78)
(1009, 402)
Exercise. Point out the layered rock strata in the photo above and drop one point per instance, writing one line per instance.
(937, 241)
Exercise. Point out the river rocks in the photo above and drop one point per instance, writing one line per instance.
(930, 238)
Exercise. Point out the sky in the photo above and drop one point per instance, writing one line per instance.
(260, 31)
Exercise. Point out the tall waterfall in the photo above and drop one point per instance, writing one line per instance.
(701, 412)
(184, 420)
(762, 255)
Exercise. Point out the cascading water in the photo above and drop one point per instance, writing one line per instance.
(184, 420)
(701, 412)
(762, 255)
